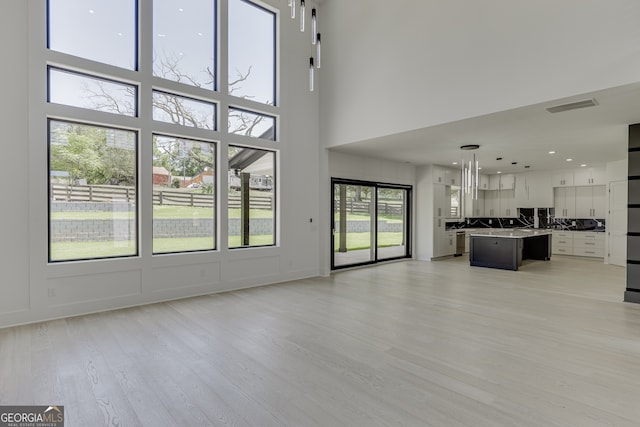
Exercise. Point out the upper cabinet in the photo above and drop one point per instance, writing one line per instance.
(590, 176)
(452, 176)
(446, 176)
(563, 178)
(502, 182)
(533, 190)
(483, 182)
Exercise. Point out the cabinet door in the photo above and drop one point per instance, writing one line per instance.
(507, 182)
(539, 190)
(565, 202)
(474, 208)
(491, 203)
(563, 179)
(483, 182)
(508, 204)
(438, 175)
(570, 203)
(584, 202)
(522, 191)
(590, 176)
(494, 182)
(598, 176)
(452, 177)
(599, 201)
(439, 200)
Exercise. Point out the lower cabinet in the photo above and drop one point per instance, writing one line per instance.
(588, 244)
(578, 243)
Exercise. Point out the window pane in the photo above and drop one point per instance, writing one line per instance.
(251, 201)
(100, 30)
(184, 40)
(353, 237)
(80, 90)
(392, 228)
(251, 52)
(242, 122)
(183, 195)
(92, 182)
(179, 110)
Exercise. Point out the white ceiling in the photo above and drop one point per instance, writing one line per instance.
(591, 136)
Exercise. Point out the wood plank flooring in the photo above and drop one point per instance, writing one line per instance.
(402, 344)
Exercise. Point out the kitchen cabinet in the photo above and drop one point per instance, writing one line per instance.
(474, 208)
(500, 203)
(562, 242)
(502, 182)
(438, 174)
(483, 182)
(588, 244)
(591, 202)
(590, 176)
(563, 178)
(533, 190)
(564, 202)
(452, 176)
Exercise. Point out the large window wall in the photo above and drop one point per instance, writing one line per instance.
(138, 111)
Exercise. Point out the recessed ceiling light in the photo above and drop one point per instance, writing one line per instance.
(569, 160)
(514, 163)
(527, 166)
(583, 165)
(552, 152)
(498, 172)
(498, 158)
(91, 11)
(454, 163)
(181, 10)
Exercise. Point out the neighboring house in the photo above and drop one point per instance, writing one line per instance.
(161, 176)
(205, 177)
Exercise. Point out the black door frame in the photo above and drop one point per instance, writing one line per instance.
(376, 186)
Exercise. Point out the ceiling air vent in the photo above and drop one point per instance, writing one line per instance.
(573, 106)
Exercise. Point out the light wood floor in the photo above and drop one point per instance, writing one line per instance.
(403, 344)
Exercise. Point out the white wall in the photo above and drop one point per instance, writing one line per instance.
(394, 66)
(33, 290)
(14, 214)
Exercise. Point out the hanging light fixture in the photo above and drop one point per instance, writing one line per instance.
(315, 37)
(311, 74)
(318, 50)
(314, 26)
(469, 171)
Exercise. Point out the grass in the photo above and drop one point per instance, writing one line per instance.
(160, 212)
(356, 241)
(62, 251)
(366, 217)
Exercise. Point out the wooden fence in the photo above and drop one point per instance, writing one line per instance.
(384, 207)
(109, 193)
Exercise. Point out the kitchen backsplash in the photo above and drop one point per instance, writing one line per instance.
(527, 220)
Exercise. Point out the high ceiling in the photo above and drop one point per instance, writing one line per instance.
(590, 136)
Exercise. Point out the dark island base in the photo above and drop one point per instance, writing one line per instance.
(508, 253)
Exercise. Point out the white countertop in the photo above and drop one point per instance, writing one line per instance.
(513, 234)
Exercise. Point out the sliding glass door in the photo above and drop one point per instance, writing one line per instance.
(370, 222)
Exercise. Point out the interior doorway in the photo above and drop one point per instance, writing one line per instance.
(370, 222)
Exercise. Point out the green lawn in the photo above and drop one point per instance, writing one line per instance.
(366, 217)
(357, 241)
(62, 251)
(161, 212)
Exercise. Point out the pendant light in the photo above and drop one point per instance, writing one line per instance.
(311, 74)
(314, 26)
(302, 14)
(318, 50)
(470, 172)
(292, 4)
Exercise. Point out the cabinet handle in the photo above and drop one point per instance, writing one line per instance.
(439, 211)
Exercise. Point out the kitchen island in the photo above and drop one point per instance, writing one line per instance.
(506, 249)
